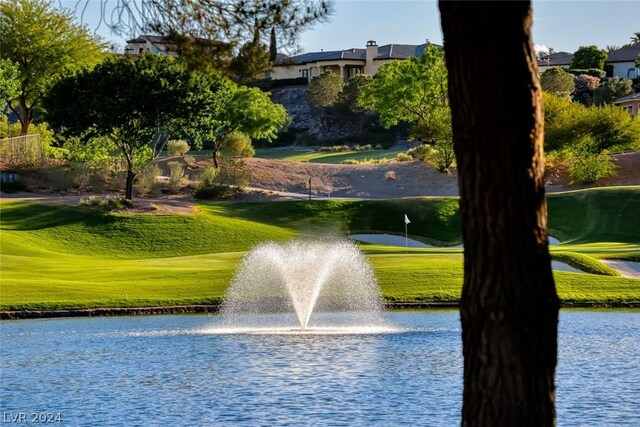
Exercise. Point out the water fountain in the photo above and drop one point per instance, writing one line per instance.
(303, 286)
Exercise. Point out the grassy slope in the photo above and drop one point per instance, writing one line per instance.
(60, 256)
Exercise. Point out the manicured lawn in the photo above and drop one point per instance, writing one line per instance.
(325, 157)
(55, 256)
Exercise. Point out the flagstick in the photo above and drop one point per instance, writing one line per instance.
(406, 239)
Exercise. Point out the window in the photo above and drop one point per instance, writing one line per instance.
(631, 73)
(305, 73)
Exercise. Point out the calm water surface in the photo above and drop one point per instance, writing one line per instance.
(168, 370)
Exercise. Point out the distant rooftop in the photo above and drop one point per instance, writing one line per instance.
(388, 51)
(556, 59)
(626, 54)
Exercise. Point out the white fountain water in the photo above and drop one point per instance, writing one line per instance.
(305, 286)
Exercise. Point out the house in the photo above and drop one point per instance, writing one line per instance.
(154, 44)
(557, 59)
(625, 61)
(630, 102)
(345, 63)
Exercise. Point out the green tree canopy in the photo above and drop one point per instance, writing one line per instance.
(408, 90)
(415, 91)
(323, 91)
(569, 124)
(44, 43)
(219, 107)
(557, 81)
(134, 103)
(589, 57)
(251, 63)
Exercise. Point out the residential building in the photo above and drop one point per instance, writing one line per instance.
(153, 44)
(625, 61)
(630, 102)
(345, 63)
(557, 59)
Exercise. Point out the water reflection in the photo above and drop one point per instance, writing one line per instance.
(172, 370)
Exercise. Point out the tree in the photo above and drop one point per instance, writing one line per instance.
(415, 91)
(407, 91)
(613, 89)
(44, 43)
(557, 81)
(635, 38)
(347, 107)
(589, 57)
(134, 103)
(204, 31)
(219, 108)
(509, 306)
(251, 63)
(324, 90)
(9, 81)
(273, 46)
(323, 93)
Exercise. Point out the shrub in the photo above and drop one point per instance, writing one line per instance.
(350, 162)
(190, 161)
(587, 163)
(421, 152)
(557, 81)
(233, 173)
(595, 72)
(584, 85)
(214, 192)
(176, 175)
(107, 203)
(146, 181)
(237, 144)
(206, 178)
(403, 157)
(589, 168)
(612, 89)
(178, 147)
(324, 149)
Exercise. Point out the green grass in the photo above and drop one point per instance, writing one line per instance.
(55, 256)
(584, 262)
(325, 157)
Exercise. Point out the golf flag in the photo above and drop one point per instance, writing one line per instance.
(406, 219)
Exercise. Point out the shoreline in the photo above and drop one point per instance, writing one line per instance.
(214, 308)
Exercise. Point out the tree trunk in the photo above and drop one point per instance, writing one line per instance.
(509, 306)
(215, 157)
(129, 185)
(26, 118)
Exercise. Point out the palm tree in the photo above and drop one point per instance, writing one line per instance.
(635, 38)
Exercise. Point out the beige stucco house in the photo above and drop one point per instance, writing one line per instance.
(345, 63)
(630, 102)
(152, 44)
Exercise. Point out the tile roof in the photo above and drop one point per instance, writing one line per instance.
(555, 59)
(628, 97)
(625, 54)
(388, 51)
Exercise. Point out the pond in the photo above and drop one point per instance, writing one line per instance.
(172, 370)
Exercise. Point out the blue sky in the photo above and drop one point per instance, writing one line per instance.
(563, 25)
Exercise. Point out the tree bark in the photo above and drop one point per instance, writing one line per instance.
(129, 185)
(215, 157)
(26, 118)
(509, 306)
